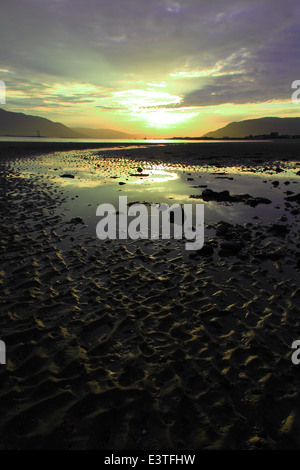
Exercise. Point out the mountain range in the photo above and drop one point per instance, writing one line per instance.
(254, 127)
(24, 125)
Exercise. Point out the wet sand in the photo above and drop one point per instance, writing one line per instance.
(278, 149)
(140, 344)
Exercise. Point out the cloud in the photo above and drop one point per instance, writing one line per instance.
(63, 37)
(135, 100)
(252, 75)
(202, 53)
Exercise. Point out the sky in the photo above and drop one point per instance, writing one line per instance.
(157, 68)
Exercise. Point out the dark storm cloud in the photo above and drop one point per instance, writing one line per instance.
(101, 41)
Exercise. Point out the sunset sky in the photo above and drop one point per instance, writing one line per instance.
(155, 67)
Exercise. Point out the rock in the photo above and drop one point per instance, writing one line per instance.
(295, 198)
(206, 250)
(223, 228)
(121, 183)
(246, 235)
(210, 195)
(253, 202)
(224, 178)
(276, 255)
(67, 175)
(230, 248)
(279, 229)
(278, 169)
(76, 220)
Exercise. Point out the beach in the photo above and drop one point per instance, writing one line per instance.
(141, 344)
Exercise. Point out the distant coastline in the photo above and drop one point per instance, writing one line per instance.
(273, 135)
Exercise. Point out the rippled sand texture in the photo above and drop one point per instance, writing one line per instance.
(141, 345)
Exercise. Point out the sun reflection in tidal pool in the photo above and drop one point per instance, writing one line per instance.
(90, 178)
(156, 176)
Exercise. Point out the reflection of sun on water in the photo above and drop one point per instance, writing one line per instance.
(157, 176)
(84, 183)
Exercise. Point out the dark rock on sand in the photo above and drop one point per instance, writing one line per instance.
(254, 201)
(206, 250)
(224, 178)
(276, 255)
(67, 175)
(230, 248)
(295, 198)
(225, 196)
(76, 220)
(279, 229)
(223, 228)
(210, 195)
(295, 211)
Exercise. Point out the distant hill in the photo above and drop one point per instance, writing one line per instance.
(102, 133)
(267, 125)
(25, 125)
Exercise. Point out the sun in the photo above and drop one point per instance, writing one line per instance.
(165, 118)
(158, 109)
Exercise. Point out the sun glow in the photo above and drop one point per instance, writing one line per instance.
(154, 108)
(164, 118)
(136, 100)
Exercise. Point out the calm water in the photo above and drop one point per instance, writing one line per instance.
(117, 141)
(98, 174)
